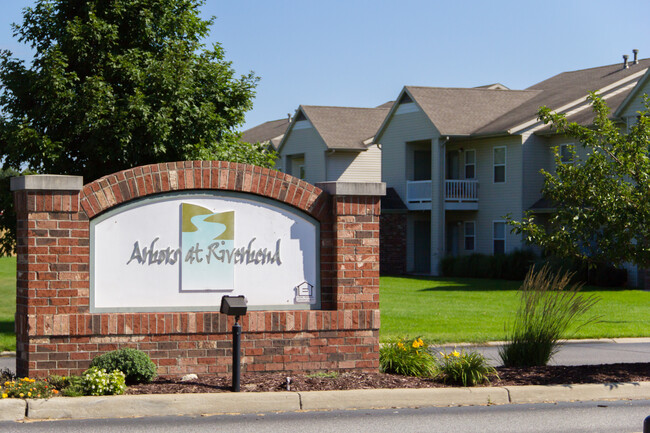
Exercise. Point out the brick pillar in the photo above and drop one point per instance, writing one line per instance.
(50, 275)
(355, 218)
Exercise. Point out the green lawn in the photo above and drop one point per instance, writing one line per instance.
(439, 309)
(7, 303)
(475, 310)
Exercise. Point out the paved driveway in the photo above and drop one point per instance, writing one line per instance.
(583, 352)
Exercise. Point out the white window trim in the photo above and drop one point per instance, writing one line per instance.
(505, 163)
(563, 146)
(505, 235)
(465, 235)
(474, 164)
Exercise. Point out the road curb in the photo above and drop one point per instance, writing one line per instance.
(259, 402)
(382, 398)
(579, 392)
(12, 409)
(122, 406)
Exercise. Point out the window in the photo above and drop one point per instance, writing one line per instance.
(566, 153)
(470, 235)
(499, 237)
(297, 166)
(470, 164)
(499, 158)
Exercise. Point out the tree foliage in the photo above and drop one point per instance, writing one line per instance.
(603, 198)
(120, 83)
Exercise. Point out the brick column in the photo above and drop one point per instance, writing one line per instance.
(52, 262)
(355, 218)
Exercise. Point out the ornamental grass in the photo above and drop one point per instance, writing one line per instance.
(549, 308)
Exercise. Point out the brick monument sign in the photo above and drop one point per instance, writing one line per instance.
(141, 259)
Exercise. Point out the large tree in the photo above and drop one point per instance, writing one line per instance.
(603, 197)
(120, 83)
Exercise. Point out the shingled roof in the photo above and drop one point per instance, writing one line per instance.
(461, 111)
(271, 131)
(567, 87)
(345, 128)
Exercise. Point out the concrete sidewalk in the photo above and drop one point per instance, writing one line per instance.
(232, 403)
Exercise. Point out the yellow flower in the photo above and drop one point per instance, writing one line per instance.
(421, 342)
(21, 395)
(29, 394)
(455, 353)
(5, 395)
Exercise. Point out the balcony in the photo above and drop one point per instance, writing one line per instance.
(459, 194)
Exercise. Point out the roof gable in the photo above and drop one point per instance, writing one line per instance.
(345, 128)
(271, 131)
(460, 111)
(635, 93)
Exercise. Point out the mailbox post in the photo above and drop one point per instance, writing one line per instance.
(235, 306)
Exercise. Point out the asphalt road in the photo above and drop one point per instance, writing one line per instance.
(592, 417)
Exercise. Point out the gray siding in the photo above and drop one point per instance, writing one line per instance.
(496, 200)
(308, 143)
(401, 129)
(537, 155)
(637, 103)
(362, 166)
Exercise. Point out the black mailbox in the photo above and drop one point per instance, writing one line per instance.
(233, 305)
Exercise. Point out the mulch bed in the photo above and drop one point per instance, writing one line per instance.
(259, 382)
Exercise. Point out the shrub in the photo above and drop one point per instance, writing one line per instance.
(408, 358)
(135, 364)
(548, 308)
(465, 368)
(27, 388)
(512, 266)
(96, 381)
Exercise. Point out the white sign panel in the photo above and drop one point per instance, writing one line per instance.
(184, 252)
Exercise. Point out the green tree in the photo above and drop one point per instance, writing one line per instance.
(603, 198)
(120, 83)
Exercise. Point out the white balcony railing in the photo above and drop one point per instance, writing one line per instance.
(418, 191)
(418, 194)
(461, 190)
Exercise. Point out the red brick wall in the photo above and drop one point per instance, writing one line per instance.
(56, 333)
(393, 243)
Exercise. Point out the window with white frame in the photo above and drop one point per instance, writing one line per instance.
(566, 153)
(470, 235)
(499, 237)
(499, 159)
(470, 164)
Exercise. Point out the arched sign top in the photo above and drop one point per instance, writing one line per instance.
(104, 194)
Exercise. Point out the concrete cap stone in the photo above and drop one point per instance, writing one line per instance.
(354, 188)
(47, 182)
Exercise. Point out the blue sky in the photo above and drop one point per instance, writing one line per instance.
(361, 52)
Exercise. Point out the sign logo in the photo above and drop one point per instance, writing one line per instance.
(203, 270)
